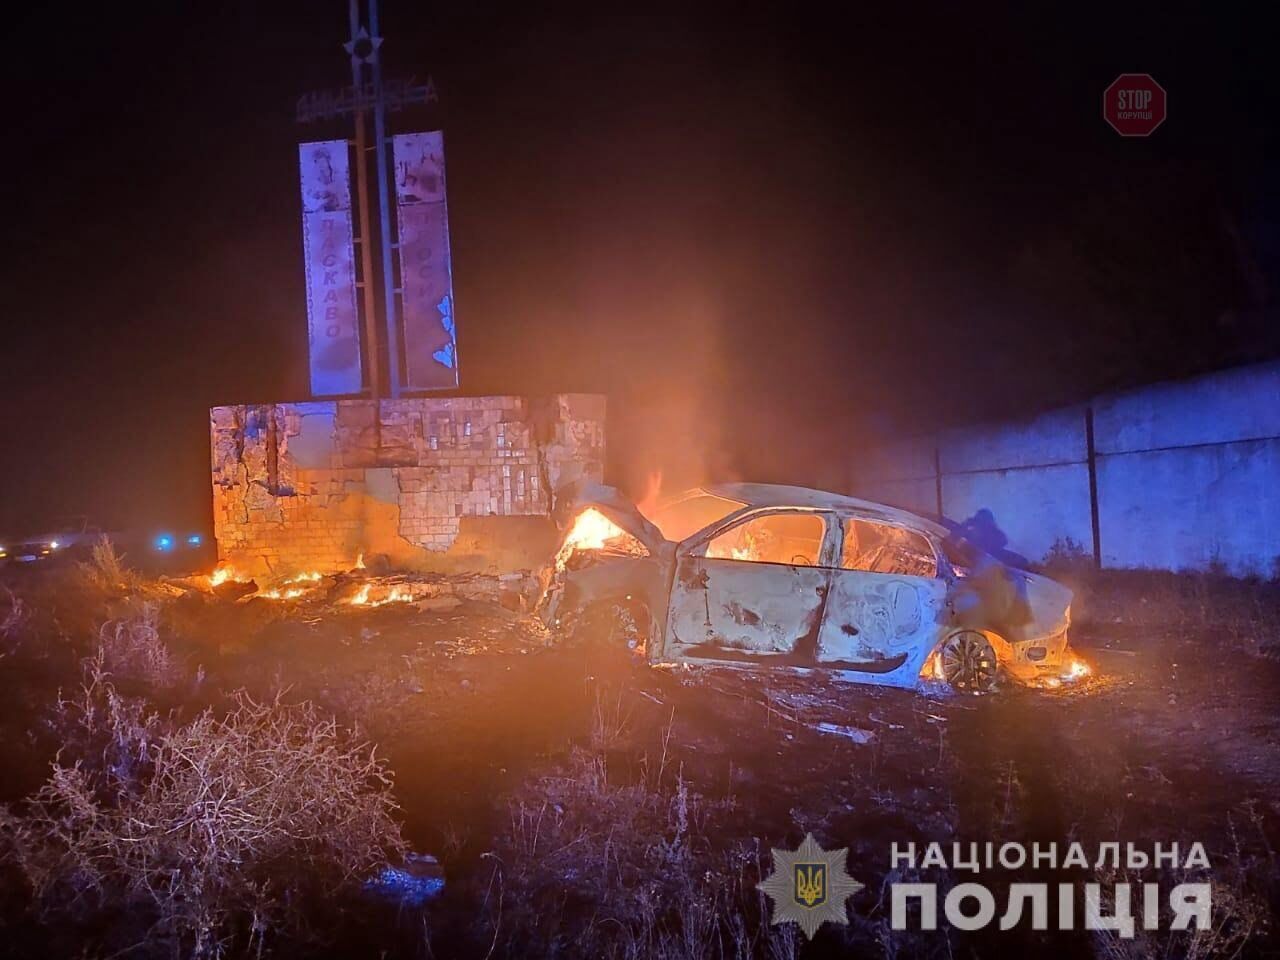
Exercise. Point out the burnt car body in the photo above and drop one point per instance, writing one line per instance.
(781, 576)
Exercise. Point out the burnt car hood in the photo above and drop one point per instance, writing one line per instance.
(614, 505)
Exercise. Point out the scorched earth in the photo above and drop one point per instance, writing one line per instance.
(578, 800)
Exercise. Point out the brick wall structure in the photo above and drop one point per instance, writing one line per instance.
(439, 484)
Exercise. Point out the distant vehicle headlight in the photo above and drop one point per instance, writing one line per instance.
(195, 540)
(164, 542)
(53, 544)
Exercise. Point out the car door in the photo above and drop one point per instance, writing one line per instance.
(754, 589)
(886, 599)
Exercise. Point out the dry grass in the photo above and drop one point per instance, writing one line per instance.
(217, 831)
(1243, 614)
(13, 617)
(131, 647)
(106, 572)
(611, 717)
(1236, 917)
(595, 863)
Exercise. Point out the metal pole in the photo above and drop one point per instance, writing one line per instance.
(384, 205)
(366, 235)
(937, 475)
(1091, 453)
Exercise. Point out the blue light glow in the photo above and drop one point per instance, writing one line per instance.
(164, 542)
(195, 540)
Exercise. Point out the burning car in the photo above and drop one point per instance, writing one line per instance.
(781, 576)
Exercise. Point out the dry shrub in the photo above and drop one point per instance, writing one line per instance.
(13, 616)
(106, 572)
(611, 718)
(215, 832)
(1241, 883)
(1243, 614)
(594, 868)
(131, 648)
(1236, 918)
(110, 736)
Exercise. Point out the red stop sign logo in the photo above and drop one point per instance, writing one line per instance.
(1134, 104)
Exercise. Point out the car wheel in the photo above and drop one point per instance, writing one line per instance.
(617, 625)
(969, 662)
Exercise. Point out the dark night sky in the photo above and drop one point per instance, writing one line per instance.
(770, 234)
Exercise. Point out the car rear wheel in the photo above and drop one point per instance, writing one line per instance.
(969, 662)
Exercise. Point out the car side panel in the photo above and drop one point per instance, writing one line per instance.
(882, 622)
(741, 609)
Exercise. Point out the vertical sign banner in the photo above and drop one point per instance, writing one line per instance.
(332, 317)
(426, 272)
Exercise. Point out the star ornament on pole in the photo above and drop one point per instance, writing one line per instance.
(810, 885)
(363, 48)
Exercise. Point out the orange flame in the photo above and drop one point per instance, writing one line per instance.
(592, 530)
(291, 588)
(395, 596)
(648, 503)
(363, 597)
(222, 573)
(747, 547)
(932, 669)
(292, 593)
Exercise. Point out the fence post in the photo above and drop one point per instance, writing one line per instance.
(937, 475)
(1093, 485)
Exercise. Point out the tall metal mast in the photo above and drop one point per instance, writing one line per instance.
(381, 143)
(371, 92)
(357, 52)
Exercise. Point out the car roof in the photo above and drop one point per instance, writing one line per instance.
(782, 495)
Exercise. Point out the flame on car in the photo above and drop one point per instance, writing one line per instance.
(745, 549)
(932, 669)
(592, 530)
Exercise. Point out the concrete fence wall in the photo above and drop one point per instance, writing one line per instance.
(1171, 476)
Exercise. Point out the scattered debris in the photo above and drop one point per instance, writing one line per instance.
(418, 879)
(856, 734)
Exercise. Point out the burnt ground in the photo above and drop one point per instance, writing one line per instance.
(483, 716)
